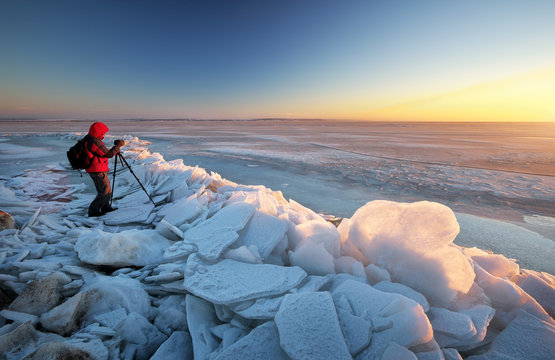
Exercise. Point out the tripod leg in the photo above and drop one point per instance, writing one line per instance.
(114, 180)
(136, 178)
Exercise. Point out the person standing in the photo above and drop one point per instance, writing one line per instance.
(99, 155)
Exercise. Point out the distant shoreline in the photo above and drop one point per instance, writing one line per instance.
(277, 119)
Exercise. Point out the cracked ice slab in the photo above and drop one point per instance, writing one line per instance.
(212, 247)
(394, 317)
(230, 281)
(232, 217)
(263, 308)
(309, 328)
(215, 235)
(526, 337)
(126, 248)
(260, 343)
(179, 212)
(129, 215)
(264, 231)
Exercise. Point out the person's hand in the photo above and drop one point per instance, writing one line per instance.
(119, 142)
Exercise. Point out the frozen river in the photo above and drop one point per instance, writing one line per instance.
(498, 178)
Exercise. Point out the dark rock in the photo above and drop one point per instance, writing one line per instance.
(59, 351)
(6, 221)
(5, 299)
(39, 296)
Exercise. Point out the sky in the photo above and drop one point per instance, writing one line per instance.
(397, 60)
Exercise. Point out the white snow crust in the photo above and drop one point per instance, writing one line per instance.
(126, 248)
(219, 270)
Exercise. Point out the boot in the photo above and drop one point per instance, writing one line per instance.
(108, 209)
(96, 213)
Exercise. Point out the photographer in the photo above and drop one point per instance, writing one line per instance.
(99, 155)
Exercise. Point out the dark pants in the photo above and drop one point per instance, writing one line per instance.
(102, 200)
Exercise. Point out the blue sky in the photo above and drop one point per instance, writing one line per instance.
(245, 59)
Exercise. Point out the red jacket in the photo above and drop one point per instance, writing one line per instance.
(96, 148)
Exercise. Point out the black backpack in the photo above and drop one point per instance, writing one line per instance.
(78, 157)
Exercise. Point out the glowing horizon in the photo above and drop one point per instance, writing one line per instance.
(360, 60)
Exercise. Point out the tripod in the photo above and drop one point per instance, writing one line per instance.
(122, 161)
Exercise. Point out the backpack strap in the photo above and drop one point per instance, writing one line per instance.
(87, 140)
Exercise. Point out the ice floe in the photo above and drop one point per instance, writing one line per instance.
(130, 247)
(309, 328)
(230, 281)
(219, 270)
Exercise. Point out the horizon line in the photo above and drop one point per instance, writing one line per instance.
(267, 119)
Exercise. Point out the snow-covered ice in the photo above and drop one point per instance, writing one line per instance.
(309, 328)
(413, 241)
(526, 337)
(220, 270)
(230, 281)
(264, 232)
(261, 343)
(394, 317)
(178, 346)
(216, 234)
(129, 247)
